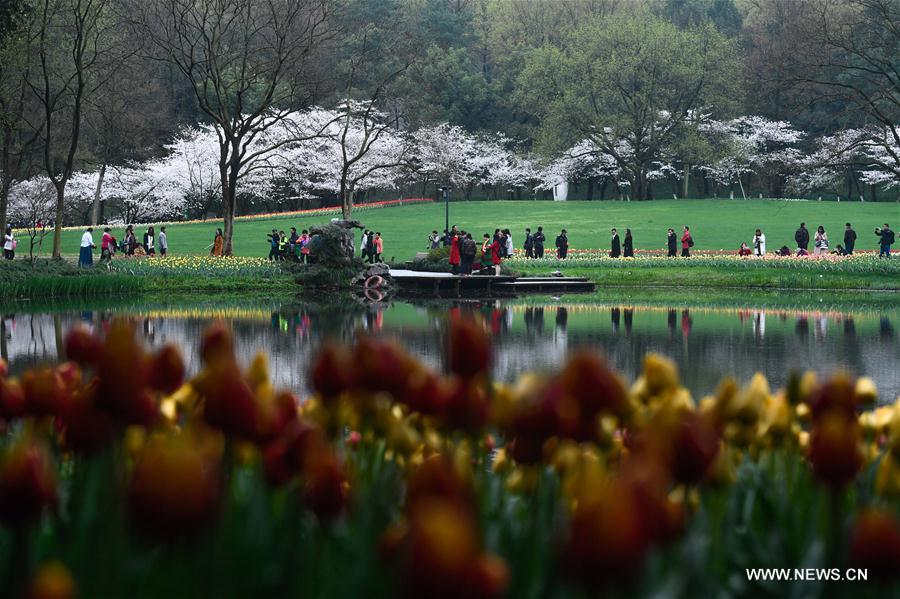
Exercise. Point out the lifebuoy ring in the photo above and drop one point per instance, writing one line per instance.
(374, 295)
(374, 282)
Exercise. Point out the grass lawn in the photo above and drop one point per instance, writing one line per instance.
(716, 224)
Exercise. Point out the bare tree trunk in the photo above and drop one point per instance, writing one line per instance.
(95, 209)
(686, 181)
(57, 225)
(5, 184)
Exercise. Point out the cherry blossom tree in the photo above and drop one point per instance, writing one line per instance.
(32, 203)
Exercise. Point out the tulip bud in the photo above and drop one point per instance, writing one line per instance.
(27, 483)
(82, 347)
(12, 399)
(875, 544)
(167, 370)
(332, 372)
(83, 427)
(327, 489)
(834, 451)
(469, 352)
(45, 392)
(175, 487)
(837, 394)
(52, 581)
(217, 344)
(122, 374)
(695, 444)
(593, 385)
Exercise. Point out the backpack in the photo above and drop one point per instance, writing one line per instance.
(892, 238)
(690, 242)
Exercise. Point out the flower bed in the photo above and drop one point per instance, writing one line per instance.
(392, 479)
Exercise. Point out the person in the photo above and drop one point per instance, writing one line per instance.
(784, 251)
(86, 253)
(107, 246)
(486, 265)
(839, 250)
(273, 244)
(687, 242)
(293, 251)
(370, 247)
(218, 246)
(628, 245)
(562, 245)
(9, 244)
(539, 240)
(495, 256)
(434, 240)
(379, 246)
(282, 246)
(304, 246)
(887, 240)
(507, 237)
(759, 243)
(744, 250)
(672, 242)
(129, 243)
(849, 240)
(820, 242)
(528, 244)
(149, 242)
(454, 251)
(446, 238)
(801, 236)
(616, 246)
(163, 241)
(467, 254)
(363, 245)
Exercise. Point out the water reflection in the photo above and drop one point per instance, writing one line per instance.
(707, 344)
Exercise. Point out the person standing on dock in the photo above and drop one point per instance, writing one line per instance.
(539, 240)
(628, 245)
(802, 238)
(454, 251)
(672, 242)
(528, 244)
(616, 246)
(687, 242)
(562, 245)
(849, 240)
(86, 253)
(467, 254)
(507, 240)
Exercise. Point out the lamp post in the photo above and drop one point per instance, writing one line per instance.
(446, 191)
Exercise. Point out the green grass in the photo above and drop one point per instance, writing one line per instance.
(716, 224)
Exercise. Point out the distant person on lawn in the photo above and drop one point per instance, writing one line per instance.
(163, 241)
(9, 244)
(562, 245)
(107, 246)
(528, 244)
(149, 242)
(672, 243)
(434, 240)
(849, 240)
(86, 253)
(616, 246)
(379, 246)
(539, 239)
(687, 242)
(887, 240)
(218, 245)
(820, 242)
(759, 243)
(744, 250)
(801, 236)
(363, 245)
(507, 238)
(628, 245)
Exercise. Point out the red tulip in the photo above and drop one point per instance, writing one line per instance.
(838, 394)
(333, 371)
(875, 543)
(834, 451)
(27, 484)
(594, 385)
(82, 346)
(83, 427)
(122, 374)
(327, 490)
(217, 344)
(46, 393)
(167, 370)
(12, 399)
(469, 352)
(695, 445)
(229, 403)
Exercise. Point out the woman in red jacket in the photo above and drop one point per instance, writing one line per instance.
(687, 242)
(495, 256)
(454, 250)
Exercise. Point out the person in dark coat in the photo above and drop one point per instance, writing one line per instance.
(672, 242)
(539, 240)
(887, 240)
(528, 244)
(849, 240)
(802, 238)
(616, 247)
(562, 245)
(628, 245)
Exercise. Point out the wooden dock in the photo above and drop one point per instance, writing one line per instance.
(450, 285)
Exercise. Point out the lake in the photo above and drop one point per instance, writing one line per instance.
(709, 335)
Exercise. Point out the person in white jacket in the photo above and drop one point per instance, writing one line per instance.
(759, 243)
(9, 244)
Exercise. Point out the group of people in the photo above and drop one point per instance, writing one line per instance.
(281, 246)
(129, 245)
(819, 239)
(371, 246)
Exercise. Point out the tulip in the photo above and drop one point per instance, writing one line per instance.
(229, 403)
(834, 451)
(333, 371)
(382, 366)
(83, 427)
(469, 351)
(122, 373)
(875, 544)
(838, 394)
(167, 370)
(695, 444)
(593, 385)
(175, 487)
(12, 399)
(327, 489)
(27, 483)
(217, 344)
(46, 393)
(52, 581)
(82, 347)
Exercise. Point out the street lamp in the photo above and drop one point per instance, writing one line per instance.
(446, 191)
